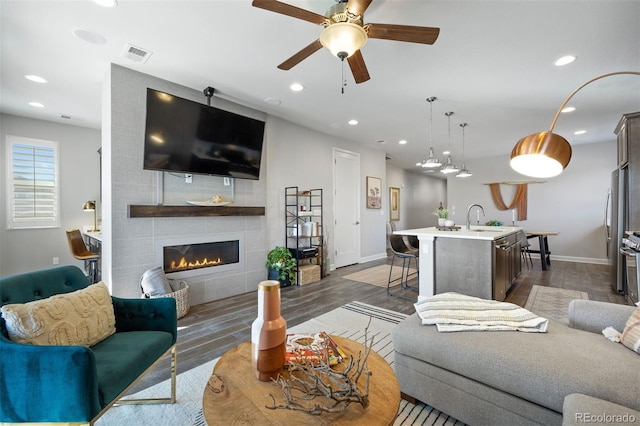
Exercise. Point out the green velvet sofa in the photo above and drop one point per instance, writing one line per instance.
(77, 384)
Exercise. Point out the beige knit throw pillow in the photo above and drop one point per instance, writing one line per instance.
(80, 318)
(631, 334)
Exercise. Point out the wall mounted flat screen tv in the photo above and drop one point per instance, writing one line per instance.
(189, 137)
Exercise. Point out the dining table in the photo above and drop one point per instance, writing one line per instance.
(543, 244)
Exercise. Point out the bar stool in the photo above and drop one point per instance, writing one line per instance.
(401, 251)
(79, 251)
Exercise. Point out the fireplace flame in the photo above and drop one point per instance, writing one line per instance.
(183, 264)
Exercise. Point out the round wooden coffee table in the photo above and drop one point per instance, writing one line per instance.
(233, 395)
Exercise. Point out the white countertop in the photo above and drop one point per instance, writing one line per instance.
(475, 233)
(97, 235)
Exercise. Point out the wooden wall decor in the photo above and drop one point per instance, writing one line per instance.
(519, 200)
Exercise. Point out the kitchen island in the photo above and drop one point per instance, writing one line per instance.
(483, 261)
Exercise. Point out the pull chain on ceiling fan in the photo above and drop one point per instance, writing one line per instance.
(345, 33)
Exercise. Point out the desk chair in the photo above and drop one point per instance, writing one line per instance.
(524, 249)
(80, 251)
(401, 251)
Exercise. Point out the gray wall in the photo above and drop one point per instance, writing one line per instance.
(420, 196)
(301, 157)
(30, 249)
(571, 203)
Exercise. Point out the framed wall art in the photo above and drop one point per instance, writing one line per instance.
(374, 192)
(394, 203)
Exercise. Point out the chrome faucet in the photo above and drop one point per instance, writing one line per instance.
(469, 211)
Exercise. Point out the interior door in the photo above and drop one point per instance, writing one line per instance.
(346, 229)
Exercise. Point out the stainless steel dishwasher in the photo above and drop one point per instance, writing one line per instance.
(507, 251)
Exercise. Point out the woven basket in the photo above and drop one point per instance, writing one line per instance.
(182, 299)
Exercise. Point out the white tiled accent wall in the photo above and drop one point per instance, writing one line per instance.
(130, 249)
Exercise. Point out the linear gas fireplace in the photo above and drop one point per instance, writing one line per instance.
(190, 256)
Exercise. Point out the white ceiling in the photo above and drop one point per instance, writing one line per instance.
(492, 65)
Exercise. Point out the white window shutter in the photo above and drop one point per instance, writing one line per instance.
(32, 183)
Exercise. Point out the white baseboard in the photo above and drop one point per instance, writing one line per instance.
(574, 259)
(374, 257)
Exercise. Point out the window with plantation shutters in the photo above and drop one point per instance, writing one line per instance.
(32, 183)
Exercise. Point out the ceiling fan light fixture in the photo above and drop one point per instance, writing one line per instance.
(343, 38)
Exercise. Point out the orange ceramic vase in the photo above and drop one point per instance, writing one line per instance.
(268, 333)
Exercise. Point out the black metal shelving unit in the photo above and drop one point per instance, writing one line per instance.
(304, 229)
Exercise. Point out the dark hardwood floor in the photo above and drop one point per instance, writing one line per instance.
(210, 329)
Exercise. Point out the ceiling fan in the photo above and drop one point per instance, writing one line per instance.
(345, 33)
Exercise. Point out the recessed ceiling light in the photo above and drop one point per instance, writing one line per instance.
(565, 60)
(273, 101)
(579, 132)
(36, 104)
(296, 87)
(568, 109)
(106, 3)
(446, 152)
(402, 141)
(89, 36)
(353, 122)
(418, 164)
(35, 78)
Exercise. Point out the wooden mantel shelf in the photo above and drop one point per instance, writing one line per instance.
(138, 210)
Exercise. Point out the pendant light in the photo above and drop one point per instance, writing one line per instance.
(432, 161)
(449, 167)
(547, 154)
(463, 173)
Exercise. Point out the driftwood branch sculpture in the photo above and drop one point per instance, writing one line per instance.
(317, 388)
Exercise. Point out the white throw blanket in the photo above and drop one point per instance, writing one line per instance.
(458, 312)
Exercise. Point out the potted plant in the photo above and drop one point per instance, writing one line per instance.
(442, 214)
(281, 266)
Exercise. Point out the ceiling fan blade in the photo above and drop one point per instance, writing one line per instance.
(301, 55)
(357, 7)
(287, 9)
(425, 35)
(358, 68)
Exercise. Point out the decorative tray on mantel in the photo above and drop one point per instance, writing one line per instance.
(448, 228)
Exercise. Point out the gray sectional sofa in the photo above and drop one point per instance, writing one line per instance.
(516, 378)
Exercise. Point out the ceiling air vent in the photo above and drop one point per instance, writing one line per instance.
(136, 54)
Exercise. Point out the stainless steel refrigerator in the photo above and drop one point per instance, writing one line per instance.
(616, 222)
(623, 202)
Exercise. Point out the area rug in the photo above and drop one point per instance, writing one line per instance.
(347, 321)
(552, 302)
(379, 275)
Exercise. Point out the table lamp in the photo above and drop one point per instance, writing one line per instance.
(90, 206)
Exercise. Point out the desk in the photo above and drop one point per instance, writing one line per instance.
(94, 244)
(242, 398)
(543, 243)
